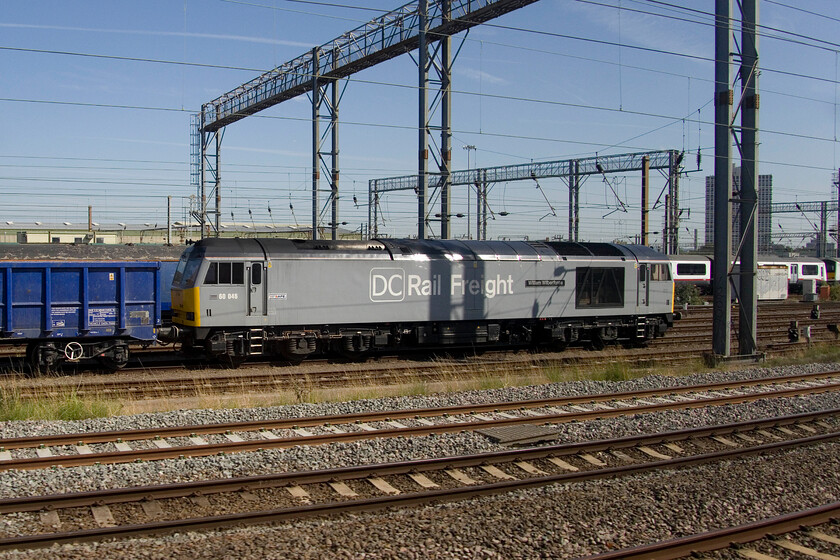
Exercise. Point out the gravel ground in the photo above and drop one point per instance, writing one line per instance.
(561, 521)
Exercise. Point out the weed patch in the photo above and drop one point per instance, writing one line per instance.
(64, 407)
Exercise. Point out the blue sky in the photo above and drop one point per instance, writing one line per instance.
(113, 134)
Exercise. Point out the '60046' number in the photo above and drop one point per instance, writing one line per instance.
(228, 296)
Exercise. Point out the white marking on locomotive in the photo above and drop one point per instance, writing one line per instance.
(491, 287)
(387, 284)
(392, 285)
(419, 287)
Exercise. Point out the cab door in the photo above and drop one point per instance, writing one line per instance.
(643, 295)
(256, 289)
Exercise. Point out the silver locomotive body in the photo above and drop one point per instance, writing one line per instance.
(239, 297)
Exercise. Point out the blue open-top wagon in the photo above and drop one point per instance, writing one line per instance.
(74, 310)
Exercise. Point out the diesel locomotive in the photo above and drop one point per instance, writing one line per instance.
(235, 298)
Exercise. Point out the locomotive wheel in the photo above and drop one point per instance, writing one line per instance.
(558, 345)
(295, 350)
(294, 359)
(231, 362)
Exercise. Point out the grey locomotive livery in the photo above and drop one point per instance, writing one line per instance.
(234, 298)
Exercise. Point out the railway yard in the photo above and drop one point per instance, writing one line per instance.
(535, 467)
(473, 347)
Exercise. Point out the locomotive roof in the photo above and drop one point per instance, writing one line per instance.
(402, 249)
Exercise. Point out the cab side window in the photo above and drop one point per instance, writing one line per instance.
(212, 276)
(237, 273)
(660, 272)
(225, 273)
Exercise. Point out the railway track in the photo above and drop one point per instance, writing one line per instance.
(256, 379)
(689, 338)
(798, 526)
(211, 439)
(286, 496)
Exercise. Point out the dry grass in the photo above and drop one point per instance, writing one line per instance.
(67, 406)
(451, 376)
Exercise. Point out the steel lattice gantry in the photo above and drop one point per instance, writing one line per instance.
(571, 171)
(746, 137)
(413, 26)
(823, 207)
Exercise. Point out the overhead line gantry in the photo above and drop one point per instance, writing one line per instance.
(423, 25)
(573, 172)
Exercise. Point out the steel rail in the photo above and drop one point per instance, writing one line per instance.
(659, 351)
(173, 452)
(693, 316)
(220, 428)
(256, 517)
(122, 495)
(723, 538)
(275, 379)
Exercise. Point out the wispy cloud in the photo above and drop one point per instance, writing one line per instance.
(214, 36)
(643, 30)
(481, 75)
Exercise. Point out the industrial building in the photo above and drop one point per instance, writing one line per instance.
(119, 234)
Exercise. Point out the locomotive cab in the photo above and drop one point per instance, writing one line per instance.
(207, 288)
(215, 288)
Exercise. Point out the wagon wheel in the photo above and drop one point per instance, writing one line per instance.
(111, 365)
(33, 359)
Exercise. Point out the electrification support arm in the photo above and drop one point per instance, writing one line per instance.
(577, 200)
(674, 203)
(218, 206)
(445, 161)
(722, 313)
(423, 120)
(334, 158)
(748, 313)
(645, 199)
(412, 26)
(202, 200)
(571, 199)
(571, 170)
(316, 141)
